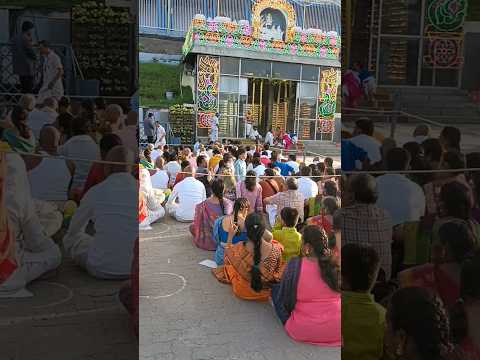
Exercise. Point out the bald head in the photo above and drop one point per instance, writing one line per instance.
(49, 138)
(119, 154)
(132, 119)
(189, 171)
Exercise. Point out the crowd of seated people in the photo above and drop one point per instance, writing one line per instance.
(411, 246)
(257, 211)
(59, 200)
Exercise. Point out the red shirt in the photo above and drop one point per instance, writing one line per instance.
(95, 176)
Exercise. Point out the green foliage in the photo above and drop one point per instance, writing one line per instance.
(156, 79)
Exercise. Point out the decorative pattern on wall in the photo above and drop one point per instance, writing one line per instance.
(328, 94)
(447, 15)
(232, 35)
(208, 76)
(444, 30)
(327, 101)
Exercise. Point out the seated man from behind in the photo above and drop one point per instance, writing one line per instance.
(49, 177)
(113, 207)
(361, 339)
(187, 194)
(26, 253)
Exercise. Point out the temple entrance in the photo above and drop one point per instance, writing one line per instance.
(271, 104)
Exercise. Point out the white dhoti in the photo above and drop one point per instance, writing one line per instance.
(32, 265)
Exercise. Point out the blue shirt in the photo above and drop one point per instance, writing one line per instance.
(350, 154)
(240, 169)
(285, 169)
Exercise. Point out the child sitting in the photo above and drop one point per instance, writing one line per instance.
(361, 339)
(287, 235)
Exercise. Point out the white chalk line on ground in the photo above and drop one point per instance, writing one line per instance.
(184, 284)
(54, 303)
(22, 319)
(160, 236)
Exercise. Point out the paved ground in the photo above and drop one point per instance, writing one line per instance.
(71, 316)
(185, 314)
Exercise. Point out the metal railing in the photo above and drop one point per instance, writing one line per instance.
(173, 17)
(390, 117)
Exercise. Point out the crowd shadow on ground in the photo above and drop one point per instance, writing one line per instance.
(186, 314)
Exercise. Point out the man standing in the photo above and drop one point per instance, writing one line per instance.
(160, 142)
(24, 57)
(149, 128)
(52, 85)
(214, 129)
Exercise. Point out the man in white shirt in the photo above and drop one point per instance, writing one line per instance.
(113, 207)
(214, 128)
(306, 185)
(363, 138)
(269, 138)
(52, 85)
(421, 133)
(292, 161)
(254, 134)
(402, 198)
(186, 195)
(160, 133)
(80, 146)
(36, 253)
(47, 115)
(49, 177)
(160, 178)
(128, 134)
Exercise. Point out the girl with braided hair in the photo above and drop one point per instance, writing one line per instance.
(206, 213)
(241, 208)
(307, 300)
(417, 327)
(252, 267)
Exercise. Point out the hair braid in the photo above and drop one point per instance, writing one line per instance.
(255, 229)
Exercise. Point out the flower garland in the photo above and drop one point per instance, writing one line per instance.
(240, 36)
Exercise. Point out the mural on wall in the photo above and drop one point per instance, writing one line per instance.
(273, 20)
(327, 101)
(273, 25)
(208, 76)
(444, 31)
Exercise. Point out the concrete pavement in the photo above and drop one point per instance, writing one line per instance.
(186, 314)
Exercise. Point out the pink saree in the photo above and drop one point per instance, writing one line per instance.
(202, 227)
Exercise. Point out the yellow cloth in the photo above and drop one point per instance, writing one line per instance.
(363, 326)
(291, 240)
(214, 161)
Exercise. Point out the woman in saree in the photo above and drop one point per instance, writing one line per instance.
(251, 267)
(17, 134)
(206, 213)
(307, 300)
(241, 209)
(456, 241)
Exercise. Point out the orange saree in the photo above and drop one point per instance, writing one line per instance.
(238, 267)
